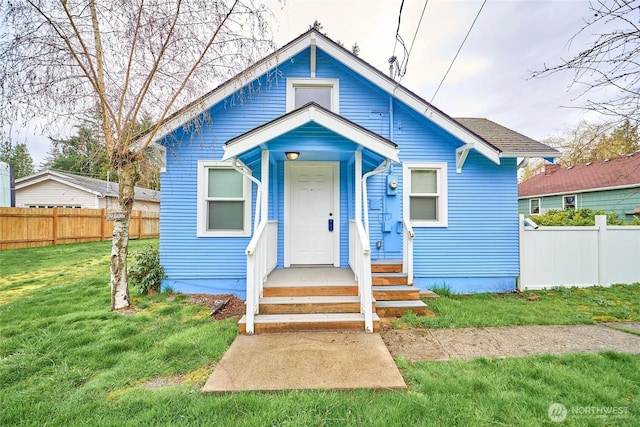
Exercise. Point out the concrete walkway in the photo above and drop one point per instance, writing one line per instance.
(305, 360)
(351, 360)
(512, 341)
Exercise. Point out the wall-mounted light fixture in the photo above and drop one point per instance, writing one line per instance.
(292, 155)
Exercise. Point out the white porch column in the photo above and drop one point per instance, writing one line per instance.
(264, 215)
(357, 182)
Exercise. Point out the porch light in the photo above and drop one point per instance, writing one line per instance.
(292, 155)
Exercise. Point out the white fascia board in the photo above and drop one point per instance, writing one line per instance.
(304, 116)
(231, 86)
(266, 133)
(357, 135)
(412, 101)
(586, 190)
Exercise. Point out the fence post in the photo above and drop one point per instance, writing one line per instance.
(139, 224)
(55, 226)
(103, 223)
(521, 249)
(601, 224)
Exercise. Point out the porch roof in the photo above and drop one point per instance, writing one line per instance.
(311, 113)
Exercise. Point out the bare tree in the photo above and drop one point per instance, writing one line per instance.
(610, 67)
(587, 142)
(131, 59)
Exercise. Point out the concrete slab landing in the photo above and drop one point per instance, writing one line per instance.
(306, 360)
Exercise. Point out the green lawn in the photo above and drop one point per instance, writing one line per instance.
(557, 306)
(65, 359)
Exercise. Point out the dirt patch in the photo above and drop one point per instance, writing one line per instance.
(161, 382)
(234, 306)
(468, 343)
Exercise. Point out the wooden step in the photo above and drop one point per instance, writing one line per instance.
(399, 308)
(309, 290)
(310, 304)
(379, 279)
(395, 293)
(269, 323)
(386, 266)
(428, 295)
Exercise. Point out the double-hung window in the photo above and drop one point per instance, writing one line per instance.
(425, 194)
(224, 201)
(324, 92)
(534, 206)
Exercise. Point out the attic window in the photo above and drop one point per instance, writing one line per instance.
(324, 92)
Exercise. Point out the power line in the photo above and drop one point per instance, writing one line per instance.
(456, 56)
(398, 29)
(406, 62)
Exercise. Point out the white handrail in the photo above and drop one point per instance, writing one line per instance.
(407, 250)
(360, 262)
(260, 262)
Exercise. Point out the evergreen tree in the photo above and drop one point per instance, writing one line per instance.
(18, 157)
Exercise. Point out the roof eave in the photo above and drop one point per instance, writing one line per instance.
(554, 154)
(307, 114)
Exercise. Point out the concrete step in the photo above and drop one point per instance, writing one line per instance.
(395, 293)
(310, 304)
(389, 279)
(299, 290)
(270, 323)
(386, 266)
(399, 308)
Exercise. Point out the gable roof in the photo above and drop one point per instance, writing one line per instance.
(314, 38)
(311, 112)
(509, 142)
(91, 185)
(621, 172)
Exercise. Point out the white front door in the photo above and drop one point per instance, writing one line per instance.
(312, 213)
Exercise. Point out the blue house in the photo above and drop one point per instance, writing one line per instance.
(294, 181)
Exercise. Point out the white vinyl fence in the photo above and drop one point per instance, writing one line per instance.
(578, 256)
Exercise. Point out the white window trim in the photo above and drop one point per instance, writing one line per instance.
(575, 198)
(539, 207)
(203, 167)
(443, 202)
(334, 84)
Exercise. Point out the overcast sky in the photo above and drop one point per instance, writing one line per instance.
(490, 77)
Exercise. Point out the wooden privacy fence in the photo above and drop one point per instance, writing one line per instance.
(30, 227)
(578, 256)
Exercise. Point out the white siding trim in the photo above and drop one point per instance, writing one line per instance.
(201, 209)
(443, 202)
(293, 83)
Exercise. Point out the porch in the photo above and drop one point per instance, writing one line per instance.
(308, 298)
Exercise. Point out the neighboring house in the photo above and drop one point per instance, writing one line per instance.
(51, 189)
(610, 185)
(292, 147)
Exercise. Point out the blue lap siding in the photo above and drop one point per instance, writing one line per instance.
(478, 251)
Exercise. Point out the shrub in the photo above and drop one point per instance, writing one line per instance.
(574, 217)
(146, 273)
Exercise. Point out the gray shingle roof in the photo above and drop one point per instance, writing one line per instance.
(508, 141)
(96, 185)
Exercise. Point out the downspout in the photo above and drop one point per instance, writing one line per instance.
(256, 220)
(365, 204)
